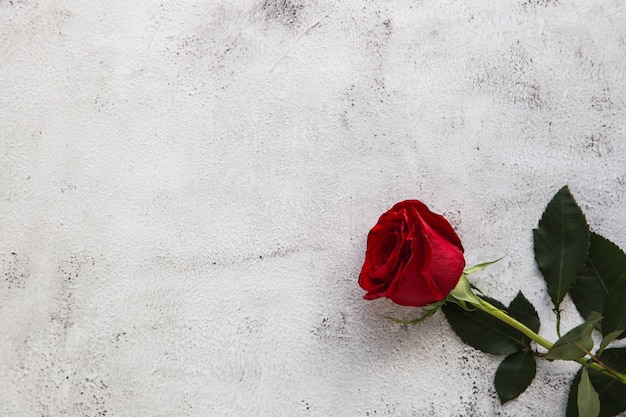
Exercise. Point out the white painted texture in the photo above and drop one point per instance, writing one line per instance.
(186, 190)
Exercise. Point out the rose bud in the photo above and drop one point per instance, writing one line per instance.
(413, 256)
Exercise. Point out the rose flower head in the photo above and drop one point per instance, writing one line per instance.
(413, 256)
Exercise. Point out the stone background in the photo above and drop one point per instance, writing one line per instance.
(186, 189)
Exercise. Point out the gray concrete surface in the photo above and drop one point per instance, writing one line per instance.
(186, 189)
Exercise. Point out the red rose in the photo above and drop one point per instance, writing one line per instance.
(413, 256)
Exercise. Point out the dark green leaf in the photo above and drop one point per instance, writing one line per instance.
(561, 244)
(514, 375)
(612, 393)
(615, 308)
(606, 339)
(605, 264)
(576, 343)
(588, 401)
(523, 310)
(484, 332)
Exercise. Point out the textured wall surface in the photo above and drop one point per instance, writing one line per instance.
(186, 189)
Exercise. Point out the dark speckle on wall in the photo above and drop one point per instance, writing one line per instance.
(286, 12)
(332, 327)
(16, 270)
(528, 4)
(598, 143)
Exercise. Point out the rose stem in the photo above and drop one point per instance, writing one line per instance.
(504, 317)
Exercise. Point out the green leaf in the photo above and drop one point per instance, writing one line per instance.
(428, 312)
(588, 400)
(561, 244)
(606, 340)
(483, 331)
(477, 268)
(615, 308)
(523, 310)
(575, 343)
(605, 264)
(514, 375)
(612, 393)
